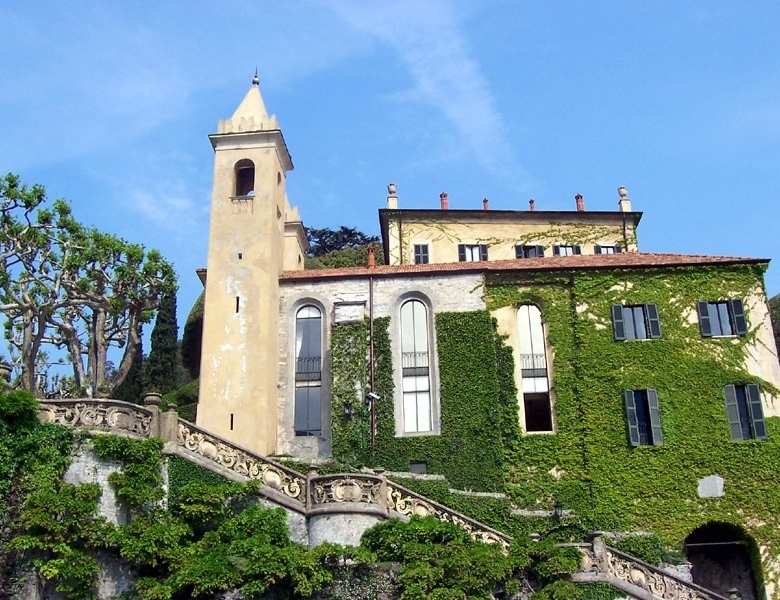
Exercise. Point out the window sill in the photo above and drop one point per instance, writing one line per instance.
(416, 434)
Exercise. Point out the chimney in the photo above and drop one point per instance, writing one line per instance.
(392, 199)
(532, 204)
(625, 202)
(580, 203)
(485, 204)
(371, 258)
(445, 203)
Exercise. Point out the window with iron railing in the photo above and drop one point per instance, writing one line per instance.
(533, 365)
(308, 368)
(308, 371)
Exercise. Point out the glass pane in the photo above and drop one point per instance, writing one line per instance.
(410, 411)
(628, 322)
(639, 322)
(725, 321)
(307, 419)
(423, 411)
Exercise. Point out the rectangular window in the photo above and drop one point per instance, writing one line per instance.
(529, 251)
(725, 317)
(566, 250)
(308, 371)
(421, 254)
(639, 322)
(643, 417)
(472, 252)
(607, 249)
(746, 415)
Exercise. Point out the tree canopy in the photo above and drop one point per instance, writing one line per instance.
(72, 287)
(324, 241)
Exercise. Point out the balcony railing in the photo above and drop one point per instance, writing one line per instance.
(414, 363)
(308, 368)
(533, 365)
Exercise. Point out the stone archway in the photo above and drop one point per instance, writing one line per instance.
(721, 555)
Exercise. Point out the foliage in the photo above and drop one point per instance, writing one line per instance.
(160, 369)
(19, 409)
(73, 287)
(324, 241)
(132, 388)
(182, 473)
(186, 395)
(346, 257)
(649, 548)
(440, 560)
(774, 315)
(138, 483)
(192, 337)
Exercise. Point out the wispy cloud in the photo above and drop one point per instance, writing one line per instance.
(429, 38)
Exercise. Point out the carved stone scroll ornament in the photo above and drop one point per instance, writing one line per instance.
(346, 488)
(109, 416)
(242, 462)
(410, 504)
(658, 583)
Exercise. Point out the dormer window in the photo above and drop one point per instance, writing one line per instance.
(245, 178)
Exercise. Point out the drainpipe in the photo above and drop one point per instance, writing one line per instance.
(371, 361)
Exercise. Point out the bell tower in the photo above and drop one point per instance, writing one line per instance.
(254, 234)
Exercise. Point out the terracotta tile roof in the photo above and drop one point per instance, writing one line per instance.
(553, 263)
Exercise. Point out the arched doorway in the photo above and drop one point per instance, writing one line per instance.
(721, 556)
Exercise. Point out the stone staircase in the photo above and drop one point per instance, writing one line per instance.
(333, 504)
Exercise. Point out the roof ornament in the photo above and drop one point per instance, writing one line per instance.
(256, 79)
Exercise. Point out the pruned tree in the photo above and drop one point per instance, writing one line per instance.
(76, 288)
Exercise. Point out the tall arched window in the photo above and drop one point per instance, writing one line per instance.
(245, 177)
(308, 371)
(415, 364)
(533, 361)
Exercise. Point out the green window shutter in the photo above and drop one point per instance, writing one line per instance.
(704, 318)
(653, 320)
(483, 255)
(596, 249)
(539, 251)
(655, 417)
(756, 411)
(618, 325)
(518, 252)
(462, 252)
(556, 251)
(633, 424)
(577, 250)
(730, 395)
(738, 316)
(618, 248)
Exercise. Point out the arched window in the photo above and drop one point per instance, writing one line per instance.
(245, 178)
(415, 364)
(533, 361)
(308, 371)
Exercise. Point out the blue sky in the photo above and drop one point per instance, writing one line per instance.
(109, 104)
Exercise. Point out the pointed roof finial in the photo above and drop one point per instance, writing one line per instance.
(256, 79)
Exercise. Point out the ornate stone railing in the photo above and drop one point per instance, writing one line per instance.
(103, 416)
(636, 578)
(407, 503)
(285, 485)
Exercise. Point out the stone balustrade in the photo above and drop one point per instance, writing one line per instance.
(100, 416)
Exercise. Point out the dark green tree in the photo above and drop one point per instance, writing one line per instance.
(191, 338)
(774, 314)
(324, 241)
(160, 369)
(131, 388)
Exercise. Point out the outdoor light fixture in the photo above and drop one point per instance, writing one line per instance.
(557, 511)
(371, 397)
(348, 410)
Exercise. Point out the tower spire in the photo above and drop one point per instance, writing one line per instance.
(256, 79)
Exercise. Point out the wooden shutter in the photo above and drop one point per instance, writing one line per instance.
(618, 248)
(576, 250)
(462, 252)
(704, 318)
(519, 252)
(732, 410)
(539, 251)
(739, 321)
(655, 417)
(556, 250)
(633, 425)
(756, 410)
(596, 249)
(618, 325)
(483, 252)
(653, 320)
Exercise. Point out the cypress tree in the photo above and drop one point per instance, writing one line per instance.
(161, 366)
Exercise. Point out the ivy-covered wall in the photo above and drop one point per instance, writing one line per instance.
(589, 464)
(470, 447)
